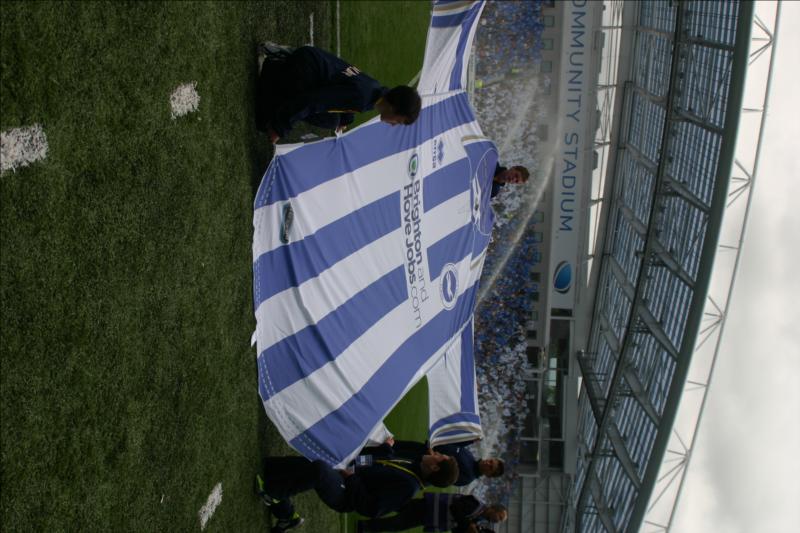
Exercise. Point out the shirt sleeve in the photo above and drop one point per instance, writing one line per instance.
(467, 465)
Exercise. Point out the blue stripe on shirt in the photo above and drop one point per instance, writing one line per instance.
(291, 265)
(299, 355)
(342, 431)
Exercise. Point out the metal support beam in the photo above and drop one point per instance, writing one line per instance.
(596, 398)
(622, 455)
(622, 279)
(660, 253)
(656, 330)
(683, 115)
(667, 260)
(679, 189)
(679, 114)
(705, 43)
(689, 116)
(637, 389)
(672, 187)
(654, 98)
(637, 225)
(668, 35)
(661, 256)
(608, 333)
(636, 154)
(600, 502)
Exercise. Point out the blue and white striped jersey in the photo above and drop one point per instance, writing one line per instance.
(367, 252)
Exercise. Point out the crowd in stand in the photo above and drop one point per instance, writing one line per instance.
(500, 351)
(508, 41)
(509, 38)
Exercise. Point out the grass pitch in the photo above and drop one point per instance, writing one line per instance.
(128, 386)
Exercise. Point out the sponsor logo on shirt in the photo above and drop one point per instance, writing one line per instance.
(411, 204)
(437, 151)
(351, 71)
(448, 286)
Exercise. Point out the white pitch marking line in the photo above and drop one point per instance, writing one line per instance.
(207, 511)
(338, 32)
(184, 99)
(311, 28)
(19, 147)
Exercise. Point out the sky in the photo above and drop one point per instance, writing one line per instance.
(745, 472)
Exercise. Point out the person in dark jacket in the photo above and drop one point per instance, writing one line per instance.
(395, 449)
(469, 468)
(503, 175)
(372, 490)
(312, 85)
(437, 512)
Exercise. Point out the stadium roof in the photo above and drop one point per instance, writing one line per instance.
(669, 165)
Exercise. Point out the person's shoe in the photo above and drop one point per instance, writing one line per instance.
(274, 51)
(262, 493)
(285, 524)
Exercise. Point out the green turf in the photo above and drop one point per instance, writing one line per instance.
(128, 382)
(386, 39)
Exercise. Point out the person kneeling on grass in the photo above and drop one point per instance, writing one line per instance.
(309, 84)
(438, 512)
(372, 490)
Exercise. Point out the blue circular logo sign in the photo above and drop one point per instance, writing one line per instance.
(562, 278)
(448, 286)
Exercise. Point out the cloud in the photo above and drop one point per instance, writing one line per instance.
(744, 475)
